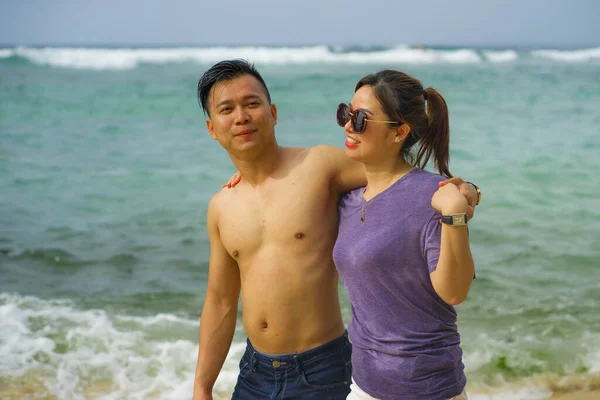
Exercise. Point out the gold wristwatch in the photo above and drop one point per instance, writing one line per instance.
(478, 193)
(458, 219)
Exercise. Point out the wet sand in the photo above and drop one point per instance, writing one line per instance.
(589, 395)
(31, 386)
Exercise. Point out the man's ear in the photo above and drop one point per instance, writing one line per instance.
(210, 127)
(274, 113)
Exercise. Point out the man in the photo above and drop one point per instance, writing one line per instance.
(271, 240)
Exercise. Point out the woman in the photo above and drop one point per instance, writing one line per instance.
(402, 248)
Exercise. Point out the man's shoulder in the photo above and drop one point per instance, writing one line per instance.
(308, 166)
(217, 198)
(226, 195)
(321, 151)
(320, 148)
(292, 152)
(314, 157)
(326, 155)
(214, 204)
(220, 199)
(326, 150)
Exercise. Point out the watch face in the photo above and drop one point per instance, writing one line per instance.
(459, 219)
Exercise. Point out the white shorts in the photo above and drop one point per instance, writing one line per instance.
(357, 393)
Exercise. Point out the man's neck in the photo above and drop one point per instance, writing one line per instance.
(257, 168)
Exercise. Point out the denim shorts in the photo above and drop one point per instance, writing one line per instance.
(322, 373)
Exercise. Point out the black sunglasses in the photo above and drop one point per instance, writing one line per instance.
(358, 118)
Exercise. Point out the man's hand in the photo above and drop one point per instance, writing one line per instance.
(467, 190)
(234, 180)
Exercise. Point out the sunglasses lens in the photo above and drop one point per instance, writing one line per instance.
(342, 114)
(359, 121)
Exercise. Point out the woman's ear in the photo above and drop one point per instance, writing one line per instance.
(401, 133)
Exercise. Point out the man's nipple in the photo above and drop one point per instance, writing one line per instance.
(299, 235)
(236, 253)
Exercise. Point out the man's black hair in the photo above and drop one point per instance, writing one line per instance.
(225, 71)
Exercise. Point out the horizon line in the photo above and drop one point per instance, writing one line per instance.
(530, 46)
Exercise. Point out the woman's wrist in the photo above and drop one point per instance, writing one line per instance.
(457, 206)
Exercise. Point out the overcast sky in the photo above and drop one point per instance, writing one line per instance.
(573, 23)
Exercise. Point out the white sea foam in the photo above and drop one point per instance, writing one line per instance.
(501, 56)
(73, 351)
(593, 356)
(159, 319)
(583, 55)
(128, 58)
(122, 59)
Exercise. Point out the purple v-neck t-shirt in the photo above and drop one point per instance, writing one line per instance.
(405, 341)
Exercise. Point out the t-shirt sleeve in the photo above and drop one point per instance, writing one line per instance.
(431, 239)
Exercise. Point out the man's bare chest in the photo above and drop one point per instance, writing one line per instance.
(279, 218)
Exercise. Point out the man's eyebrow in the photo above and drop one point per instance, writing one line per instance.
(247, 97)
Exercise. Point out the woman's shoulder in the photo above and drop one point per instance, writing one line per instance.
(427, 175)
(422, 180)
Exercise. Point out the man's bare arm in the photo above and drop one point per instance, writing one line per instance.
(219, 313)
(349, 174)
(346, 174)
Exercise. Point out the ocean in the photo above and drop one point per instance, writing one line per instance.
(106, 170)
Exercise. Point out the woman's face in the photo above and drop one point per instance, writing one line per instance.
(376, 143)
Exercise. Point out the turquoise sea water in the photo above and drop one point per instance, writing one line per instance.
(106, 169)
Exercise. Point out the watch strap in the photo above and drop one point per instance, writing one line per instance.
(459, 219)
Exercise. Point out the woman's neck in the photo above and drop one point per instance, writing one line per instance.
(382, 176)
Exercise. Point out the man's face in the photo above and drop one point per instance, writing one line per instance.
(241, 117)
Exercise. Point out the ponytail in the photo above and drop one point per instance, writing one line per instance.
(436, 140)
(401, 97)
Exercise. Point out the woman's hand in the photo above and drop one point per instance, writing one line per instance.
(467, 190)
(234, 180)
(449, 200)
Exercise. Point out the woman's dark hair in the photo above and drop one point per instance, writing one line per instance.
(404, 99)
(225, 71)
